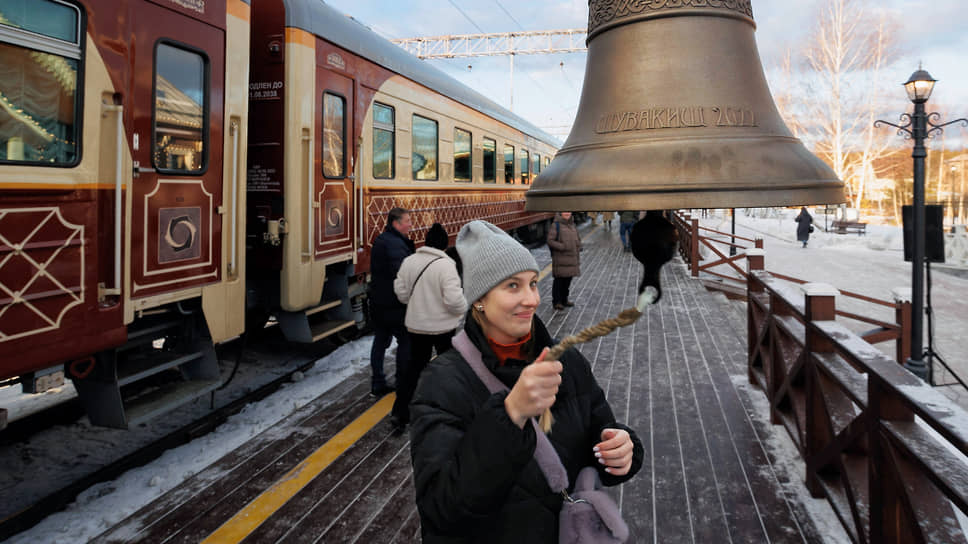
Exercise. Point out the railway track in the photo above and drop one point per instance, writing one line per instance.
(70, 412)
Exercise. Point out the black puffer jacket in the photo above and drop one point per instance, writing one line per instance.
(474, 470)
(389, 250)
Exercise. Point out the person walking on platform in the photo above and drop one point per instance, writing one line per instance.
(565, 245)
(387, 313)
(804, 226)
(626, 220)
(429, 285)
(472, 449)
(607, 218)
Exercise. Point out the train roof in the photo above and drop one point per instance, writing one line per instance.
(318, 18)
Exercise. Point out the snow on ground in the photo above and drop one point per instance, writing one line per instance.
(41, 464)
(19, 404)
(871, 265)
(104, 505)
(787, 466)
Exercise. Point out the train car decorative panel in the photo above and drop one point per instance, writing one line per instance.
(174, 173)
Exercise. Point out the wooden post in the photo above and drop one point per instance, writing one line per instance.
(694, 249)
(755, 261)
(819, 305)
(889, 521)
(902, 315)
(758, 243)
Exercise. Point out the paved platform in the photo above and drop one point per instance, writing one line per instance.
(333, 472)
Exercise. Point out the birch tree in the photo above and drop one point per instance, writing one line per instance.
(839, 90)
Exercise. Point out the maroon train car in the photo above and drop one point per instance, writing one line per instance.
(175, 171)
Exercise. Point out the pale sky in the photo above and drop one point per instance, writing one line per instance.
(547, 87)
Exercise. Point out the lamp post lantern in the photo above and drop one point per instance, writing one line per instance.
(918, 126)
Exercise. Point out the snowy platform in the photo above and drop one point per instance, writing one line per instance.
(715, 470)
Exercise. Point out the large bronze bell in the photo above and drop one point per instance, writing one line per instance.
(676, 113)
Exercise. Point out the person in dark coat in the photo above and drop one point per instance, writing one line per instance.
(804, 220)
(565, 245)
(387, 313)
(626, 220)
(474, 470)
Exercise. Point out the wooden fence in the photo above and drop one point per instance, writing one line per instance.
(692, 237)
(888, 451)
(885, 449)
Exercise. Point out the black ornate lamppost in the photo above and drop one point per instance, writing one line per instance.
(918, 126)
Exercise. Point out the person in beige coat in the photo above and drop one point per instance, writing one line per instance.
(428, 283)
(565, 245)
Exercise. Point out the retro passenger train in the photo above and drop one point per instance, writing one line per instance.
(173, 172)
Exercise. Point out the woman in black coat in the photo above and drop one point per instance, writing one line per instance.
(804, 220)
(475, 473)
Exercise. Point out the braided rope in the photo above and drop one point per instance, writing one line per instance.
(625, 318)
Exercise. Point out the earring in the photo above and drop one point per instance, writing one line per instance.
(480, 307)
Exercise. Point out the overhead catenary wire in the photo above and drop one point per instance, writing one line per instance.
(508, 13)
(466, 16)
(456, 46)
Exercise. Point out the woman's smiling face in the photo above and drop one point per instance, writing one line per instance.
(509, 307)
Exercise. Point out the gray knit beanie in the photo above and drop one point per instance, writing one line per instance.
(490, 256)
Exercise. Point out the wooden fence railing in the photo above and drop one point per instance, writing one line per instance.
(690, 240)
(885, 449)
(692, 237)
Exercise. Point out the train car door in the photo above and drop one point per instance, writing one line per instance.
(337, 150)
(177, 103)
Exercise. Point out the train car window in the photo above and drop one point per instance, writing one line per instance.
(334, 135)
(525, 166)
(180, 133)
(536, 164)
(490, 161)
(423, 160)
(48, 18)
(40, 55)
(547, 161)
(508, 163)
(462, 155)
(384, 144)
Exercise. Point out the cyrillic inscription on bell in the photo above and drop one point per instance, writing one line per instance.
(656, 118)
(675, 112)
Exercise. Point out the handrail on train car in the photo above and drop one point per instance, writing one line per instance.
(307, 139)
(118, 183)
(358, 205)
(234, 129)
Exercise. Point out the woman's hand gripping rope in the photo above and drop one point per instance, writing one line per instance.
(624, 318)
(535, 390)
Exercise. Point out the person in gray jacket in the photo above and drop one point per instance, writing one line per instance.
(565, 245)
(428, 283)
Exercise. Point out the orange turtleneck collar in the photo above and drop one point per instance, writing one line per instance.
(509, 351)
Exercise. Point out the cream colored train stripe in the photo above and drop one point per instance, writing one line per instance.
(263, 506)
